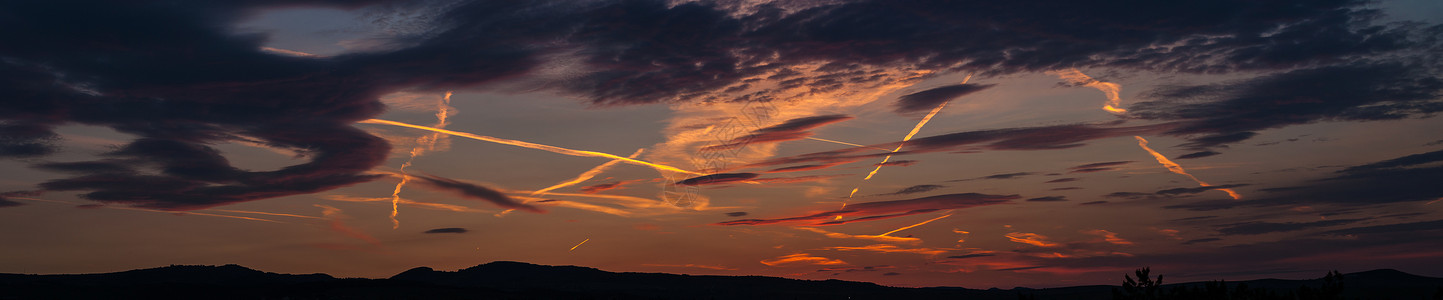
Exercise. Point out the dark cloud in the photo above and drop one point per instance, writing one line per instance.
(177, 76)
(1199, 154)
(448, 230)
(928, 99)
(1101, 164)
(1093, 203)
(1403, 179)
(1131, 195)
(870, 211)
(473, 191)
(597, 188)
(1404, 228)
(721, 178)
(791, 130)
(5, 197)
(1028, 138)
(1090, 170)
(1048, 199)
(1195, 190)
(805, 167)
(1231, 112)
(1194, 218)
(1410, 160)
(1202, 240)
(999, 176)
(1021, 268)
(921, 188)
(736, 214)
(1060, 180)
(971, 255)
(799, 179)
(898, 163)
(1253, 228)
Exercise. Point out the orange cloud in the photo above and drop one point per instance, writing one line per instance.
(885, 248)
(802, 258)
(1031, 239)
(1108, 236)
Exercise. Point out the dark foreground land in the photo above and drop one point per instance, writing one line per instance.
(514, 280)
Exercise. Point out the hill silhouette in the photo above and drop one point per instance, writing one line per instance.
(516, 280)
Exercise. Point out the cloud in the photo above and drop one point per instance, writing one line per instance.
(799, 179)
(736, 214)
(888, 248)
(1227, 113)
(871, 211)
(790, 130)
(1403, 179)
(802, 258)
(1093, 203)
(1031, 239)
(806, 167)
(1405, 228)
(1410, 160)
(448, 230)
(974, 255)
(1060, 180)
(1101, 164)
(878, 238)
(1108, 236)
(1199, 154)
(928, 99)
(721, 178)
(473, 191)
(597, 188)
(896, 163)
(185, 79)
(1196, 190)
(1202, 240)
(999, 176)
(1262, 227)
(921, 188)
(1048, 199)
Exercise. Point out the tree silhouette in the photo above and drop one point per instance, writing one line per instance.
(1143, 288)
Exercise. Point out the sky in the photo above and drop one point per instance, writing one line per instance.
(917, 143)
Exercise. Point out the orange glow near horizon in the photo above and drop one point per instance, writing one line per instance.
(1175, 168)
(552, 149)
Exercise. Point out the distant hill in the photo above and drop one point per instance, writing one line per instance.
(515, 280)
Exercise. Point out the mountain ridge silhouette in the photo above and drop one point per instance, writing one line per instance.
(519, 280)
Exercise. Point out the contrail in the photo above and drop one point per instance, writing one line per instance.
(1107, 88)
(909, 136)
(552, 149)
(1175, 168)
(915, 225)
(264, 213)
(573, 248)
(423, 144)
(586, 175)
(174, 212)
(844, 143)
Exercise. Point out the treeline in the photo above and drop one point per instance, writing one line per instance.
(1145, 287)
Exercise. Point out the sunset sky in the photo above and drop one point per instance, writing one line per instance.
(908, 143)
